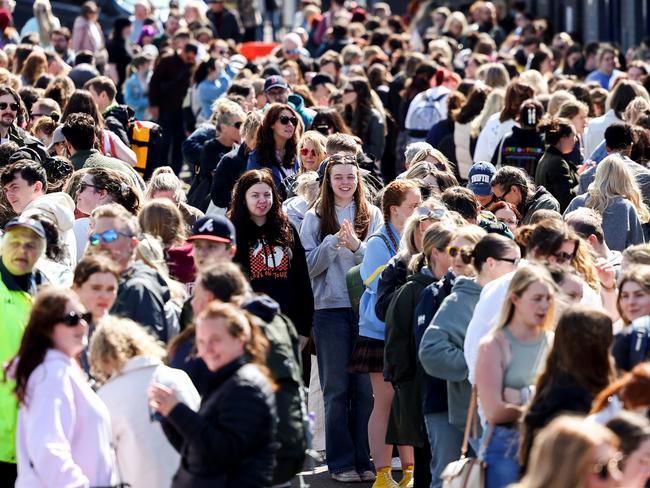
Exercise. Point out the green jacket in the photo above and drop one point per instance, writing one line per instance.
(15, 306)
(405, 426)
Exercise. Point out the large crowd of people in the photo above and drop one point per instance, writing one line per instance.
(378, 241)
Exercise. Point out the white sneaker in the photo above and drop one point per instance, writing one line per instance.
(350, 476)
(367, 475)
(396, 464)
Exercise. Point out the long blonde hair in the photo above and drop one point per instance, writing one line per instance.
(438, 236)
(45, 21)
(521, 280)
(493, 105)
(563, 439)
(613, 178)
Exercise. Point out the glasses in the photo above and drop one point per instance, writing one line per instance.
(348, 90)
(237, 125)
(284, 120)
(424, 213)
(604, 470)
(502, 198)
(306, 152)
(83, 186)
(514, 261)
(106, 237)
(13, 106)
(73, 318)
(562, 257)
(295, 50)
(465, 253)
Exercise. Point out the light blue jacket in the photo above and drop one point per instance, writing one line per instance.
(210, 90)
(136, 96)
(375, 259)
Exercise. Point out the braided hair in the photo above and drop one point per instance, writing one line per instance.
(393, 196)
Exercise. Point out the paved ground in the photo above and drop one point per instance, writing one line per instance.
(319, 478)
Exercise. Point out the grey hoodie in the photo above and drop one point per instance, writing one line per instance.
(329, 263)
(441, 349)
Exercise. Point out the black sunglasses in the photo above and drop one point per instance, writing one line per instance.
(237, 125)
(73, 318)
(502, 198)
(12, 106)
(562, 257)
(466, 253)
(284, 120)
(323, 129)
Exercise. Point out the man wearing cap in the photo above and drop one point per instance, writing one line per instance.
(22, 245)
(224, 22)
(213, 241)
(143, 292)
(277, 90)
(479, 181)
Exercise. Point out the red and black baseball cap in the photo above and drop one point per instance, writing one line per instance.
(214, 228)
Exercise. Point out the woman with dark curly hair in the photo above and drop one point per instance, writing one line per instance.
(363, 118)
(276, 143)
(268, 247)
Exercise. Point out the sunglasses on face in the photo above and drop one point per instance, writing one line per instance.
(73, 318)
(562, 257)
(305, 152)
(237, 125)
(83, 186)
(106, 237)
(284, 120)
(514, 261)
(465, 253)
(604, 470)
(34, 116)
(13, 106)
(295, 50)
(502, 198)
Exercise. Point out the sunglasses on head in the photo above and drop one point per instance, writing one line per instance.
(106, 237)
(323, 129)
(13, 106)
(284, 120)
(305, 152)
(604, 470)
(73, 318)
(465, 253)
(424, 213)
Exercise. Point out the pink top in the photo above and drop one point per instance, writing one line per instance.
(64, 431)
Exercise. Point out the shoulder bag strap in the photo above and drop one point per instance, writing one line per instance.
(468, 422)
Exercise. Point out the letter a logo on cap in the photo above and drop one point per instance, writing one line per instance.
(207, 225)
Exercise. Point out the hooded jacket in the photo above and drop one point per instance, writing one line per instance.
(283, 361)
(199, 193)
(116, 119)
(229, 442)
(298, 104)
(276, 270)
(231, 166)
(141, 297)
(541, 199)
(441, 349)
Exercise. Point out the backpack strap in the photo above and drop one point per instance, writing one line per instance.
(373, 276)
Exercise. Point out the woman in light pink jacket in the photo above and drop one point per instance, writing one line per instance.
(64, 432)
(87, 34)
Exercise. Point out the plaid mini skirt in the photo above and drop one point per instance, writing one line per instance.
(367, 356)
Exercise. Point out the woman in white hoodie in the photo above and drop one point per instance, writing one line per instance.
(127, 359)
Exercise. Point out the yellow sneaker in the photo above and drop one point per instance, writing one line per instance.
(384, 479)
(407, 477)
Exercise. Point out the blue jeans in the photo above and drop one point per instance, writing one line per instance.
(347, 396)
(445, 441)
(501, 457)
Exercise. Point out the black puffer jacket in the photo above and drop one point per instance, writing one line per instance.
(229, 442)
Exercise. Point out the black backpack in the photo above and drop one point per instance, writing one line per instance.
(639, 337)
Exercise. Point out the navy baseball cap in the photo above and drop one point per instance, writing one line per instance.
(480, 178)
(275, 81)
(214, 228)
